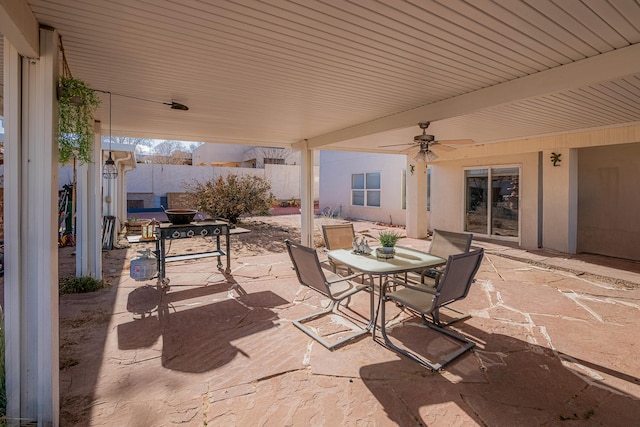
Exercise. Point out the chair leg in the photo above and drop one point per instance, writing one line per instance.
(467, 344)
(435, 316)
(299, 323)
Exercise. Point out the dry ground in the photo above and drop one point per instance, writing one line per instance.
(78, 325)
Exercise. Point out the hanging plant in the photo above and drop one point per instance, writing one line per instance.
(77, 103)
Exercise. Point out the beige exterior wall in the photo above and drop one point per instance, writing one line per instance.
(609, 200)
(559, 187)
(599, 170)
(448, 189)
(588, 202)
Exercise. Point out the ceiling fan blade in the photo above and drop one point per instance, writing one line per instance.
(395, 145)
(439, 147)
(456, 141)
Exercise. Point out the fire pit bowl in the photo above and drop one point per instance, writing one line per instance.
(180, 216)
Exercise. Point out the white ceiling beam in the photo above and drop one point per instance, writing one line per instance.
(20, 27)
(604, 67)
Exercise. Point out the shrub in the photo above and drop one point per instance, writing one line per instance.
(231, 197)
(79, 285)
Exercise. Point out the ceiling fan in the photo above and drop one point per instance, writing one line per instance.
(426, 142)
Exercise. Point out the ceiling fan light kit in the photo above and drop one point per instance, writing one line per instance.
(426, 143)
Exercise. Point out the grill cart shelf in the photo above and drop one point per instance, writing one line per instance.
(218, 229)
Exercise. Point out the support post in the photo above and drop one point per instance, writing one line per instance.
(31, 252)
(416, 214)
(88, 224)
(306, 196)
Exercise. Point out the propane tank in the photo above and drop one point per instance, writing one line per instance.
(144, 267)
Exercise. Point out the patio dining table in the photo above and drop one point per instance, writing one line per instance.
(405, 260)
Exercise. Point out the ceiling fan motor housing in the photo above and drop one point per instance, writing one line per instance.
(423, 138)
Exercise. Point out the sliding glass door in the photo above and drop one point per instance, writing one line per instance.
(492, 198)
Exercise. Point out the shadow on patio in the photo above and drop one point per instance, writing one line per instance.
(553, 347)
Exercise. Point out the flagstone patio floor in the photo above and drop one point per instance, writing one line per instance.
(557, 345)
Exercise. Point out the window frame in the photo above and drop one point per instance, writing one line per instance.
(365, 190)
(490, 168)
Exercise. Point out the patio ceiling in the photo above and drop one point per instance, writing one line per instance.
(276, 72)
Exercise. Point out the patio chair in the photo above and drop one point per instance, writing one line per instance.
(453, 286)
(335, 287)
(338, 236)
(443, 244)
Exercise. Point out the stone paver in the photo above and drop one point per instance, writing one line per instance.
(553, 348)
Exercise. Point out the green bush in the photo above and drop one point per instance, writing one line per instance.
(231, 197)
(79, 285)
(77, 103)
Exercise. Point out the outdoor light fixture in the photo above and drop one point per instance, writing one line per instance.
(109, 170)
(425, 154)
(173, 105)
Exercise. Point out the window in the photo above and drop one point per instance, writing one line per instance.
(492, 201)
(404, 189)
(268, 161)
(365, 189)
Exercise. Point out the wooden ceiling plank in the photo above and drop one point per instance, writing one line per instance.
(612, 65)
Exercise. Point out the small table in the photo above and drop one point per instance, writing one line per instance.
(404, 261)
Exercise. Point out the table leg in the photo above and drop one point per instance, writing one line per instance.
(228, 252)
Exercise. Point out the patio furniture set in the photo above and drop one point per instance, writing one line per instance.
(421, 283)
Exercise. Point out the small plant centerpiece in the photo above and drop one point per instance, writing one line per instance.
(77, 103)
(388, 240)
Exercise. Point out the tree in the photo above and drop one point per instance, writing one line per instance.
(127, 140)
(232, 196)
(170, 153)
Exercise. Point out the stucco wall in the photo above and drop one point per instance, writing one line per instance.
(609, 200)
(559, 222)
(447, 193)
(207, 153)
(163, 179)
(335, 184)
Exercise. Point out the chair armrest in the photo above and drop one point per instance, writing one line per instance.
(393, 281)
(436, 273)
(343, 278)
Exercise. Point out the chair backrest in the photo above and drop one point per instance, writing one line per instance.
(458, 276)
(445, 243)
(307, 265)
(338, 236)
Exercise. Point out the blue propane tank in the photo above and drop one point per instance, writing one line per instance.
(144, 267)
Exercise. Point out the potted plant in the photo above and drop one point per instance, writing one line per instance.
(388, 240)
(77, 103)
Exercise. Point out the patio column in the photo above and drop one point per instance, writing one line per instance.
(560, 200)
(31, 251)
(121, 188)
(416, 214)
(306, 195)
(88, 215)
